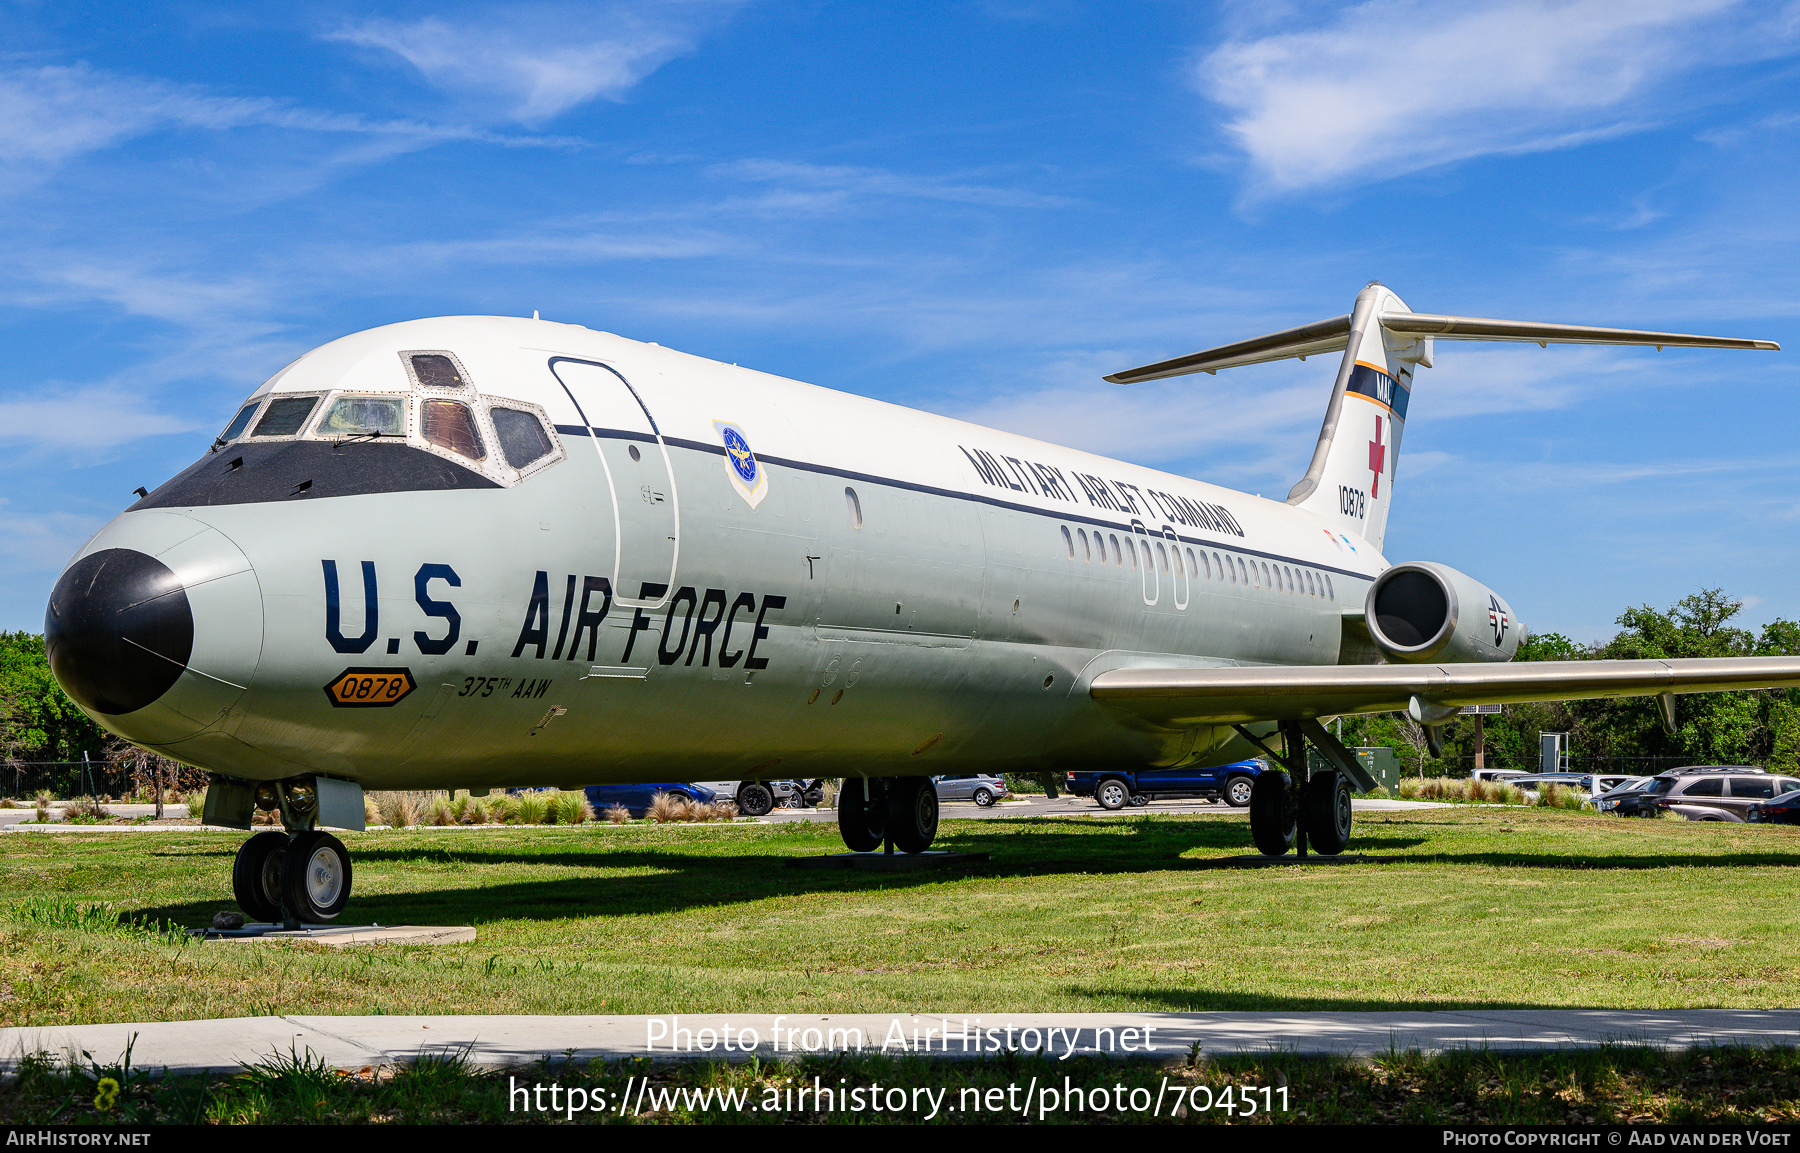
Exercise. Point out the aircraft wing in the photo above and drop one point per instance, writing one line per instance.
(1190, 697)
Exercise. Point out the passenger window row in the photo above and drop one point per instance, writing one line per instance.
(1105, 548)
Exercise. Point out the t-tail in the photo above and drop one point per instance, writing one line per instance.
(1350, 481)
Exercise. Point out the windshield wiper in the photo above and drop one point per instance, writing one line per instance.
(361, 436)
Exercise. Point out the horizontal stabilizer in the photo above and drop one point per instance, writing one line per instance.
(1189, 698)
(1332, 335)
(1480, 328)
(1324, 336)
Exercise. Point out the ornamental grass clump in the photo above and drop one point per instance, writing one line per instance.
(529, 809)
(572, 808)
(617, 814)
(440, 813)
(666, 807)
(475, 812)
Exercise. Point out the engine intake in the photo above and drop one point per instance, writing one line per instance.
(1421, 611)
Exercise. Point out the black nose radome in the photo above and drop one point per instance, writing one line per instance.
(118, 630)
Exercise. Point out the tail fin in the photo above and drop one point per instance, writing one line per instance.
(1350, 481)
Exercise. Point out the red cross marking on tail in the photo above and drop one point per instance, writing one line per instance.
(1377, 459)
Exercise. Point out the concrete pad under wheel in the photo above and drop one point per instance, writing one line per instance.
(338, 936)
(888, 862)
(1261, 862)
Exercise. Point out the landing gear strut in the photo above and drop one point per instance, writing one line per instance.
(299, 876)
(901, 812)
(1299, 808)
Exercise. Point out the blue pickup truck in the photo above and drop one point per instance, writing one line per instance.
(1116, 788)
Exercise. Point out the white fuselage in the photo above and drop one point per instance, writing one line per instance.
(875, 590)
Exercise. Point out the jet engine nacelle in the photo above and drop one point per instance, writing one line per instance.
(1420, 611)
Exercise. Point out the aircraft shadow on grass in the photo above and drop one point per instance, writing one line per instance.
(668, 880)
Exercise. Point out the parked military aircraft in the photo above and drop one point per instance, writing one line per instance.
(485, 552)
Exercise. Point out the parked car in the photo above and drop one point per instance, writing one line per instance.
(1622, 799)
(637, 798)
(1782, 809)
(1594, 785)
(1498, 774)
(1719, 796)
(759, 798)
(981, 788)
(1116, 788)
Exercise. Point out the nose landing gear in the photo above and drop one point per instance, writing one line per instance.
(298, 876)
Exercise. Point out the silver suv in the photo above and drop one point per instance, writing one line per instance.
(1717, 792)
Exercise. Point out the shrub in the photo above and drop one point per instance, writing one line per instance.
(617, 814)
(85, 807)
(475, 812)
(667, 807)
(529, 808)
(572, 808)
(440, 813)
(195, 802)
(398, 810)
(725, 810)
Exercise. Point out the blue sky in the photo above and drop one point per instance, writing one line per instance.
(975, 208)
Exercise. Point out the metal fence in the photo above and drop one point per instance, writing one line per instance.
(1412, 764)
(91, 777)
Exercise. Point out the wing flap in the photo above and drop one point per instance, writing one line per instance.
(1186, 698)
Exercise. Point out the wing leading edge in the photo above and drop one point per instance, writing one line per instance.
(1186, 698)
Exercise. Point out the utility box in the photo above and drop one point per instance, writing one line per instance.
(1379, 762)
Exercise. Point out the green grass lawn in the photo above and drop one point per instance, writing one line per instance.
(1475, 907)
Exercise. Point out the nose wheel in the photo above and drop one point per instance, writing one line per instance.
(306, 875)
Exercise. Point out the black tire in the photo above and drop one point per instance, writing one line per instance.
(912, 813)
(984, 797)
(1237, 791)
(1328, 814)
(755, 799)
(1139, 800)
(256, 876)
(315, 877)
(1112, 794)
(1273, 822)
(862, 815)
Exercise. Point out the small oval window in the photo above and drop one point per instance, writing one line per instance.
(450, 425)
(854, 507)
(1162, 557)
(1243, 577)
(521, 435)
(1068, 542)
(1330, 592)
(1118, 560)
(1087, 552)
(1193, 569)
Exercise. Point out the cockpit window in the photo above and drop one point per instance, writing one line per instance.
(522, 437)
(450, 425)
(238, 423)
(364, 416)
(285, 416)
(435, 370)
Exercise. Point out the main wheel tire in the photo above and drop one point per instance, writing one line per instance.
(1273, 822)
(1237, 791)
(1139, 800)
(315, 877)
(862, 815)
(256, 876)
(1328, 813)
(1112, 794)
(984, 797)
(912, 813)
(755, 799)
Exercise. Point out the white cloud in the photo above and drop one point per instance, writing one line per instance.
(539, 60)
(1393, 86)
(828, 186)
(54, 113)
(89, 418)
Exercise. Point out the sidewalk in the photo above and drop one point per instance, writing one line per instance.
(501, 1041)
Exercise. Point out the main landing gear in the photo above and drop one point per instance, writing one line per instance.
(900, 812)
(298, 876)
(1298, 808)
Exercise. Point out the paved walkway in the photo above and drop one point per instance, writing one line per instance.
(353, 1042)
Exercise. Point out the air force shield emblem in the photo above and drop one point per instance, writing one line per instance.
(741, 466)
